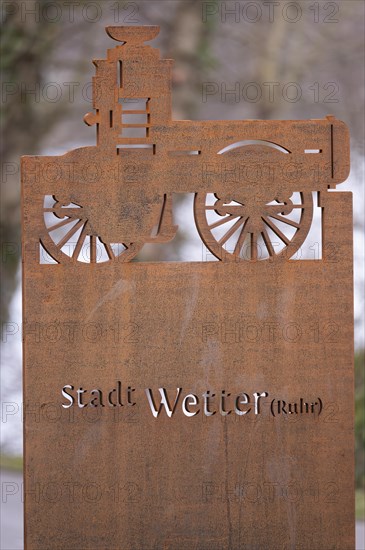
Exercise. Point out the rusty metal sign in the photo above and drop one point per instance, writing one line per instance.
(184, 405)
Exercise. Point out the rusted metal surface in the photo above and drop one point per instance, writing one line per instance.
(106, 339)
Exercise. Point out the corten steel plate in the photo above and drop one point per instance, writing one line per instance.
(265, 462)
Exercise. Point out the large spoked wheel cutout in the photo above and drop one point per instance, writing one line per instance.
(69, 236)
(237, 230)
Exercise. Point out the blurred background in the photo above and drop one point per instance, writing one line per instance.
(233, 60)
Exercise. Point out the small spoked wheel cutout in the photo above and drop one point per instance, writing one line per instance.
(242, 230)
(70, 237)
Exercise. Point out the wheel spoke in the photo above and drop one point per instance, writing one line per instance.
(241, 238)
(70, 233)
(109, 250)
(285, 220)
(93, 249)
(80, 242)
(231, 231)
(267, 242)
(221, 222)
(276, 230)
(60, 224)
(253, 247)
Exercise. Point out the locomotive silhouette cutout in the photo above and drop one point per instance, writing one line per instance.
(253, 179)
